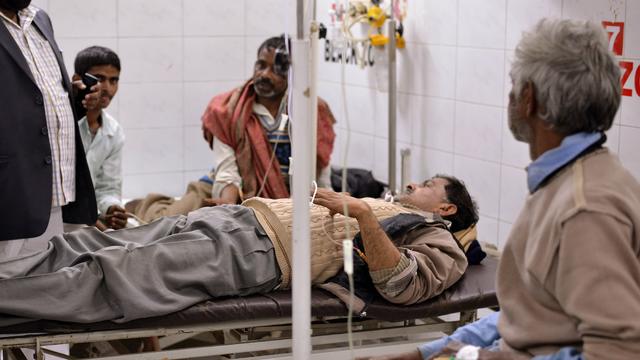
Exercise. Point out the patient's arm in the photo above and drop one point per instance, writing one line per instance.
(433, 262)
(381, 253)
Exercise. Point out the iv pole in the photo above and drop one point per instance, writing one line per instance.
(392, 100)
(304, 114)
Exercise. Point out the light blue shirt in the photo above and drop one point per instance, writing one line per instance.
(104, 156)
(552, 160)
(484, 333)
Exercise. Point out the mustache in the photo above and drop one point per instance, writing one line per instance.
(264, 81)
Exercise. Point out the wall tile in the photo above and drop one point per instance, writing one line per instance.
(433, 123)
(483, 181)
(268, 17)
(522, 15)
(632, 30)
(381, 155)
(405, 116)
(426, 163)
(197, 154)
(151, 105)
(488, 230)
(327, 70)
(513, 192)
(140, 18)
(630, 148)
(477, 131)
(432, 22)
(480, 76)
(596, 10)
(613, 138)
(504, 230)
(70, 47)
(151, 59)
(382, 115)
(214, 17)
(361, 109)
(197, 96)
(83, 18)
(482, 23)
(209, 59)
(41, 4)
(193, 175)
(153, 150)
(360, 151)
(427, 70)
(167, 183)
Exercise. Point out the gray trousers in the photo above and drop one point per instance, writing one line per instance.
(165, 266)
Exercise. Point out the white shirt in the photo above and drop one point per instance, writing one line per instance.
(104, 156)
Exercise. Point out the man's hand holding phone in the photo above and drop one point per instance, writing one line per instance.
(88, 90)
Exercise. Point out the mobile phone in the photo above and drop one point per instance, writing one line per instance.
(89, 81)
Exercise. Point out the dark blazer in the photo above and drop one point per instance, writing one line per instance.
(25, 152)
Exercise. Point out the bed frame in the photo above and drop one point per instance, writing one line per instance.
(260, 325)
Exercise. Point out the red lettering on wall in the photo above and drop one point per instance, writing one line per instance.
(627, 66)
(638, 80)
(616, 36)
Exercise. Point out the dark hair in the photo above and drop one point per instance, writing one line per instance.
(458, 195)
(275, 42)
(95, 56)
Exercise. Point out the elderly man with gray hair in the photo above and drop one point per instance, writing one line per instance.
(569, 277)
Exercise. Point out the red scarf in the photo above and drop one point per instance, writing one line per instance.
(230, 118)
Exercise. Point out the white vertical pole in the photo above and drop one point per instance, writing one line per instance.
(302, 152)
(392, 101)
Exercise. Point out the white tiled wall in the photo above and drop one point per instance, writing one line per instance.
(176, 54)
(452, 79)
(454, 84)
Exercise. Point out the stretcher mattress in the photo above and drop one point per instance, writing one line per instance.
(475, 290)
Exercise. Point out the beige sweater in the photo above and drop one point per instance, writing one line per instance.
(439, 261)
(570, 271)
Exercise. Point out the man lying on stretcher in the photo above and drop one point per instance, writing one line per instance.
(404, 253)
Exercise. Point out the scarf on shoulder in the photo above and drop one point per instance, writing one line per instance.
(230, 118)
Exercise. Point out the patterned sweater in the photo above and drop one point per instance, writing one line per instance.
(439, 260)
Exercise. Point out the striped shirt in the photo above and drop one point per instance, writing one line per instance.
(60, 121)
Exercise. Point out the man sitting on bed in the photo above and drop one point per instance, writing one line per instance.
(405, 253)
(569, 277)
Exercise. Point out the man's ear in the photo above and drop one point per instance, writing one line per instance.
(446, 209)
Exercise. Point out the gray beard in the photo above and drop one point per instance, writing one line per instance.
(519, 128)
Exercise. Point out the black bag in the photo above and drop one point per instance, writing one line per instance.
(360, 182)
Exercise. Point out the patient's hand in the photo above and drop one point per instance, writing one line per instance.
(116, 217)
(414, 355)
(453, 347)
(335, 202)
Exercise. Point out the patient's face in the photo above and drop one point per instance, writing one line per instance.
(428, 196)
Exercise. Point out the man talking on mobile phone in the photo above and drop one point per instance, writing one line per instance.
(102, 136)
(44, 177)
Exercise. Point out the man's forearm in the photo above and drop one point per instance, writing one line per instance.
(380, 251)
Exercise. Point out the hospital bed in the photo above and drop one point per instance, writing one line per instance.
(259, 325)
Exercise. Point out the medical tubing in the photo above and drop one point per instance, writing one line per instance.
(344, 185)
